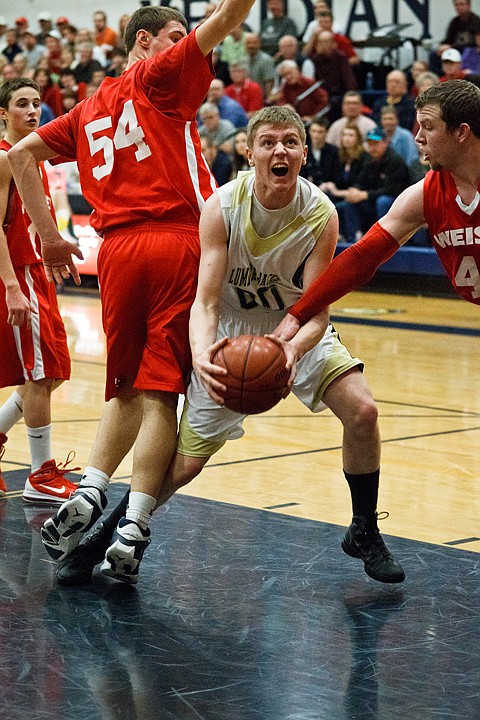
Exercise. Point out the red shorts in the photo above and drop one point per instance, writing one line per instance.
(40, 351)
(148, 277)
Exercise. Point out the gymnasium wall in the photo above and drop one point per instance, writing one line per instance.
(360, 16)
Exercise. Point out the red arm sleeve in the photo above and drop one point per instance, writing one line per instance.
(352, 268)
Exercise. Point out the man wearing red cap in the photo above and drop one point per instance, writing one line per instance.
(22, 24)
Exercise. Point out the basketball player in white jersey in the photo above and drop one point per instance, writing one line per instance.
(264, 238)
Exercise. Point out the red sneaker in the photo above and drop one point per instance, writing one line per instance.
(48, 484)
(3, 487)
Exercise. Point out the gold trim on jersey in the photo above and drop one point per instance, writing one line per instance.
(315, 216)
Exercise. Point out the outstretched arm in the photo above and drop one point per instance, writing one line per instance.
(57, 252)
(358, 263)
(204, 312)
(228, 14)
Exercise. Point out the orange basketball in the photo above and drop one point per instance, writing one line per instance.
(257, 376)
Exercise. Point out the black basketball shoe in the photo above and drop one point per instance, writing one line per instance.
(77, 568)
(363, 540)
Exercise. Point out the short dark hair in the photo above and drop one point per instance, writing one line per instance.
(459, 102)
(152, 19)
(10, 86)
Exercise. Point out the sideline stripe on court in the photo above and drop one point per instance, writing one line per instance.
(419, 327)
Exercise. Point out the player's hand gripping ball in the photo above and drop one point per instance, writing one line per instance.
(257, 376)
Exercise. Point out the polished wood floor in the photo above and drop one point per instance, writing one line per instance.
(246, 608)
(421, 358)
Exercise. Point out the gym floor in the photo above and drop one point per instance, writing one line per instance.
(247, 608)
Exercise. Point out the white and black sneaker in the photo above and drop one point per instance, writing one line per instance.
(62, 533)
(123, 557)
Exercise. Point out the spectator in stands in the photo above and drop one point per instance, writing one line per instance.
(221, 132)
(67, 58)
(383, 177)
(318, 7)
(240, 159)
(460, 33)
(45, 23)
(62, 24)
(275, 26)
(54, 52)
(219, 162)
(86, 64)
(50, 93)
(8, 71)
(396, 94)
(32, 50)
(342, 42)
(333, 68)
(418, 67)
(122, 24)
(20, 65)
(244, 90)
(21, 24)
(426, 80)
(423, 82)
(288, 49)
(261, 66)
(69, 100)
(105, 37)
(118, 63)
(67, 82)
(233, 47)
(98, 76)
(352, 158)
(399, 139)
(3, 32)
(220, 67)
(209, 9)
(322, 158)
(352, 112)
(471, 57)
(228, 108)
(300, 92)
(452, 65)
(69, 38)
(12, 46)
(86, 35)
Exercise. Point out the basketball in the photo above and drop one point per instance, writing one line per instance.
(257, 376)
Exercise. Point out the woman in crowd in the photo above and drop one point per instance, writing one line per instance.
(352, 158)
(240, 161)
(49, 91)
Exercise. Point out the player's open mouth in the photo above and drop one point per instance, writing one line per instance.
(280, 170)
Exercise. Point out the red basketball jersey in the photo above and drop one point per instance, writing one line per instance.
(137, 143)
(455, 232)
(22, 239)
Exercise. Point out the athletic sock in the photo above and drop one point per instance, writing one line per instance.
(140, 508)
(364, 492)
(40, 446)
(11, 412)
(95, 478)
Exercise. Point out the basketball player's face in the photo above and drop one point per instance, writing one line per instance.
(436, 144)
(277, 155)
(23, 114)
(168, 35)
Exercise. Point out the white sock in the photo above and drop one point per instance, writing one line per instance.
(40, 445)
(95, 478)
(11, 412)
(140, 508)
